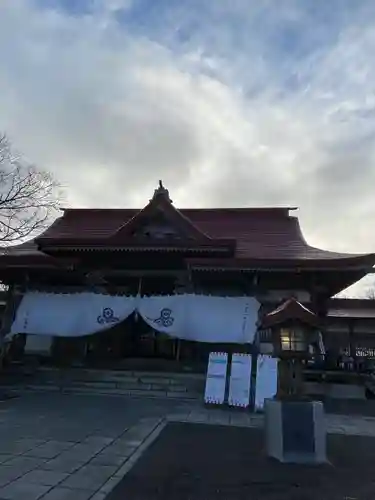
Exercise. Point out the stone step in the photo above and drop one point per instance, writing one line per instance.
(118, 374)
(103, 384)
(128, 387)
(113, 392)
(177, 386)
(131, 378)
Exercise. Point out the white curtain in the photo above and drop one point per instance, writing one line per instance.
(221, 319)
(165, 313)
(202, 318)
(266, 381)
(190, 317)
(70, 315)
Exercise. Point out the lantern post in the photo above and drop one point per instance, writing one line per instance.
(294, 424)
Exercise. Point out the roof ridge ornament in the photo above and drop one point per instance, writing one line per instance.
(162, 192)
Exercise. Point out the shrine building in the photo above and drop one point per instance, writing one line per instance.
(105, 286)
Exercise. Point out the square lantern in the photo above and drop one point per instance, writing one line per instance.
(293, 329)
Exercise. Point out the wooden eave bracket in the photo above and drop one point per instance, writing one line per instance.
(227, 246)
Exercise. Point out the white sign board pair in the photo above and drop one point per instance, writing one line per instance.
(240, 379)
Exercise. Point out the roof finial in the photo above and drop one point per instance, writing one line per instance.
(162, 191)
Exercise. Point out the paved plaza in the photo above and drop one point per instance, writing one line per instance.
(56, 447)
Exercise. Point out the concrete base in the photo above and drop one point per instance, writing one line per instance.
(295, 431)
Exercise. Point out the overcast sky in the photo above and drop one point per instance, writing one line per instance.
(230, 102)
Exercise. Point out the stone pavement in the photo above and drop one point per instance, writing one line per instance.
(336, 424)
(59, 447)
(56, 447)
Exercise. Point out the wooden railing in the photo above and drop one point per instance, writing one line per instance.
(359, 365)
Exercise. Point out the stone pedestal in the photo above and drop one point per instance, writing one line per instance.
(295, 431)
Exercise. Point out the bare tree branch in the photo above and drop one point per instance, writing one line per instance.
(28, 196)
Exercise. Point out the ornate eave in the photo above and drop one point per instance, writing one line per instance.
(145, 248)
(138, 245)
(363, 263)
(328, 276)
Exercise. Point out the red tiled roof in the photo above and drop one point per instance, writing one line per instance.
(269, 233)
(261, 233)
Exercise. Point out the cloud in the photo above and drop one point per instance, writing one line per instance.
(230, 104)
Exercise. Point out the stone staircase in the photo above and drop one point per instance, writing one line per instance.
(189, 386)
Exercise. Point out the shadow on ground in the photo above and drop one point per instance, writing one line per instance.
(205, 462)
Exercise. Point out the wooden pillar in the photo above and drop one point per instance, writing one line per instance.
(178, 348)
(289, 378)
(183, 284)
(13, 299)
(353, 347)
(283, 370)
(297, 378)
(9, 311)
(319, 299)
(352, 341)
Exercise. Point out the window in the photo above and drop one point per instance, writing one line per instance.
(292, 340)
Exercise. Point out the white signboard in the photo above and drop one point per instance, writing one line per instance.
(240, 379)
(216, 378)
(266, 381)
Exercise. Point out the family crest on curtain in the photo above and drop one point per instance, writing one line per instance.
(164, 313)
